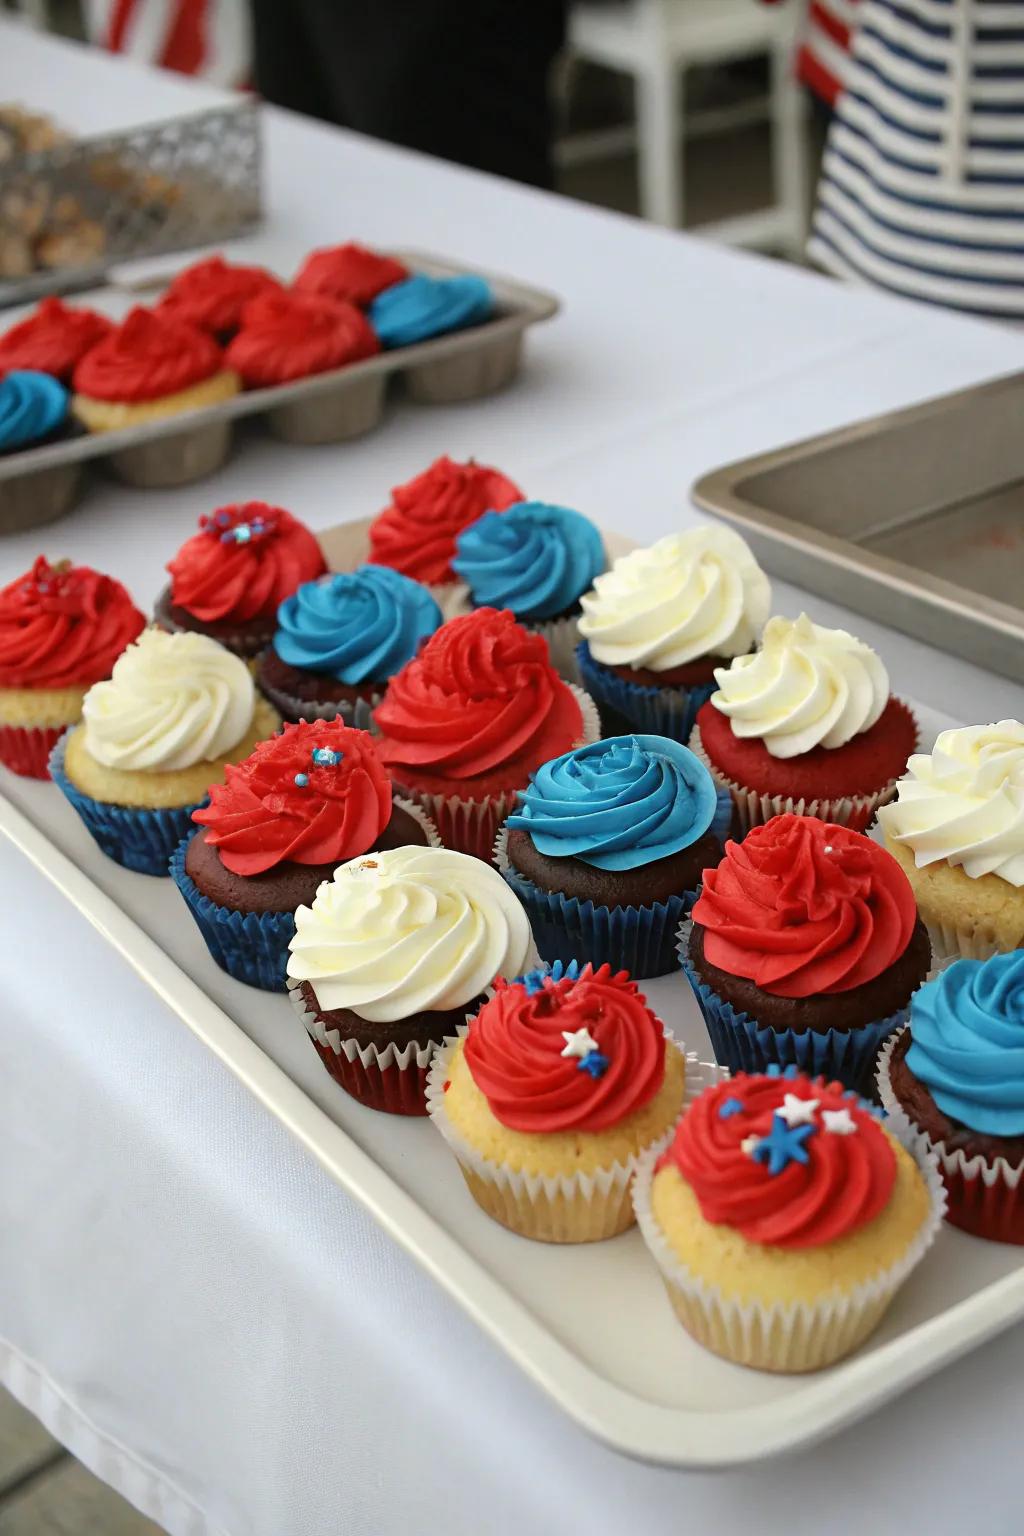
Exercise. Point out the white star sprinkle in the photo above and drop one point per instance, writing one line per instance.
(578, 1042)
(839, 1122)
(797, 1111)
(749, 1145)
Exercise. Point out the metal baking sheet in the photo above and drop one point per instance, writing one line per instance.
(915, 518)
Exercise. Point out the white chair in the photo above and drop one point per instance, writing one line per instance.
(657, 41)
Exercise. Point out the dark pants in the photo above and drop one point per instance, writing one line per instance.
(463, 79)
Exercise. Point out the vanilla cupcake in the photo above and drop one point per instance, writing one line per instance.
(147, 368)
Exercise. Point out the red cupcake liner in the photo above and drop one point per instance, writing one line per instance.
(395, 1090)
(26, 750)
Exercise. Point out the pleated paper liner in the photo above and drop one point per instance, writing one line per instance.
(651, 711)
(562, 636)
(391, 1080)
(25, 750)
(245, 645)
(290, 707)
(950, 942)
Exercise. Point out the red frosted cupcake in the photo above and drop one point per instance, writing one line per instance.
(229, 579)
(211, 294)
(806, 724)
(147, 368)
(350, 272)
(291, 335)
(52, 339)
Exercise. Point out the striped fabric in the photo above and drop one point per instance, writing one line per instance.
(823, 59)
(922, 188)
(209, 38)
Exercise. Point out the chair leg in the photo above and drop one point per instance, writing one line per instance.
(790, 170)
(659, 109)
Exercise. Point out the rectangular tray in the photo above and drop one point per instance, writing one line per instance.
(915, 518)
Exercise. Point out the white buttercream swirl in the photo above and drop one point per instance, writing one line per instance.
(964, 802)
(407, 930)
(698, 593)
(806, 687)
(172, 700)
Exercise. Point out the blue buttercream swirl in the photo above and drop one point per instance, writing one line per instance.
(359, 626)
(618, 804)
(427, 306)
(533, 558)
(967, 1029)
(32, 405)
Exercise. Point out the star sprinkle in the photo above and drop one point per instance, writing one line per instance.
(783, 1145)
(797, 1111)
(594, 1063)
(578, 1042)
(839, 1122)
(326, 757)
(729, 1108)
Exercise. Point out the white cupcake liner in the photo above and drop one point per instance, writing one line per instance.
(562, 636)
(952, 943)
(290, 707)
(410, 1055)
(452, 597)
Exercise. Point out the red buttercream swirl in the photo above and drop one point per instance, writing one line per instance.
(217, 576)
(480, 699)
(803, 907)
(212, 294)
(52, 339)
(290, 335)
(845, 1183)
(260, 816)
(350, 272)
(416, 534)
(146, 357)
(63, 626)
(514, 1052)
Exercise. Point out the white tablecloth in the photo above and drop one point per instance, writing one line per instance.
(186, 1299)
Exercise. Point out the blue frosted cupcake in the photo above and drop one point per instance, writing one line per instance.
(33, 409)
(340, 639)
(607, 848)
(423, 306)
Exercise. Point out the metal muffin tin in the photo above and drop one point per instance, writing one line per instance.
(915, 518)
(39, 484)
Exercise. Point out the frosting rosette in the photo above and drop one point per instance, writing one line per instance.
(288, 335)
(964, 802)
(63, 626)
(242, 564)
(172, 700)
(803, 907)
(423, 306)
(212, 293)
(619, 803)
(805, 687)
(785, 1161)
(408, 930)
(358, 626)
(567, 1054)
(32, 405)
(350, 272)
(416, 534)
(52, 339)
(532, 558)
(967, 1043)
(690, 595)
(146, 357)
(314, 794)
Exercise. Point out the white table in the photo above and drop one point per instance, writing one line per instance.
(186, 1300)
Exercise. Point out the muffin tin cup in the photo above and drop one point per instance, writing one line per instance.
(984, 1198)
(38, 498)
(179, 459)
(353, 407)
(293, 709)
(392, 1081)
(25, 750)
(632, 707)
(467, 374)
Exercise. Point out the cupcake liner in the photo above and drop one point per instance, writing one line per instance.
(984, 1198)
(794, 1336)
(391, 1080)
(26, 749)
(138, 837)
(952, 943)
(240, 643)
(563, 638)
(452, 597)
(655, 711)
(290, 707)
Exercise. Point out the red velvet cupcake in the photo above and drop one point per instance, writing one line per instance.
(52, 339)
(212, 294)
(350, 272)
(291, 335)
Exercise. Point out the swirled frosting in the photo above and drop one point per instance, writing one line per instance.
(964, 802)
(32, 405)
(693, 594)
(52, 339)
(406, 931)
(532, 558)
(802, 907)
(517, 1052)
(350, 272)
(427, 306)
(967, 1042)
(285, 802)
(242, 564)
(212, 293)
(289, 335)
(838, 1165)
(63, 626)
(146, 357)
(481, 696)
(416, 534)
(805, 687)
(358, 626)
(618, 803)
(170, 701)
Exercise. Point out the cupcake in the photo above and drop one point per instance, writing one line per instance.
(62, 627)
(229, 579)
(287, 335)
(550, 1097)
(783, 1218)
(174, 712)
(804, 950)
(388, 959)
(656, 625)
(957, 1074)
(147, 368)
(422, 307)
(283, 820)
(350, 272)
(957, 829)
(52, 339)
(464, 725)
(211, 294)
(33, 410)
(807, 724)
(607, 847)
(338, 641)
(537, 561)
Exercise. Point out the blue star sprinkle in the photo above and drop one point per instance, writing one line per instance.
(729, 1108)
(324, 757)
(302, 779)
(533, 981)
(783, 1145)
(594, 1063)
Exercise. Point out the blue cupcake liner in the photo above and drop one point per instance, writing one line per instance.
(251, 946)
(134, 836)
(654, 711)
